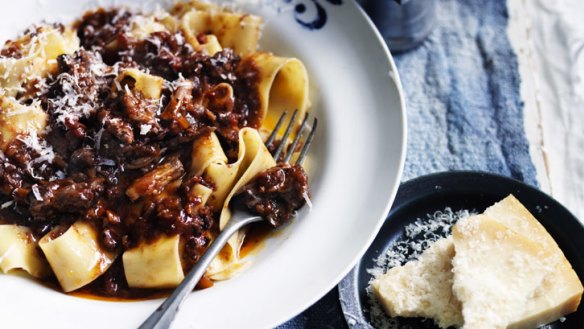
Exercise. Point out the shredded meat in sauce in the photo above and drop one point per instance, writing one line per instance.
(277, 193)
(119, 158)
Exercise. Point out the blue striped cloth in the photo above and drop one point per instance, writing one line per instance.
(464, 110)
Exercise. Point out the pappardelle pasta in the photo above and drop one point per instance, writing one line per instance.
(124, 136)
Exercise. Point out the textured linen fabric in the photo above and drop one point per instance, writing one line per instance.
(462, 94)
(464, 110)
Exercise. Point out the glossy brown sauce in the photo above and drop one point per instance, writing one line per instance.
(255, 239)
(120, 161)
(276, 193)
(254, 243)
(136, 294)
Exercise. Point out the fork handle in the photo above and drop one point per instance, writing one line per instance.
(166, 312)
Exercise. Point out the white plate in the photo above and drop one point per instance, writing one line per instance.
(356, 166)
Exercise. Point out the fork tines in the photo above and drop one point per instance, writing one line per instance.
(284, 141)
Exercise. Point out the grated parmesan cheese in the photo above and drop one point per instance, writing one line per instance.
(307, 199)
(6, 204)
(98, 138)
(145, 129)
(36, 192)
(180, 40)
(107, 162)
(39, 145)
(118, 84)
(418, 236)
(181, 82)
(77, 99)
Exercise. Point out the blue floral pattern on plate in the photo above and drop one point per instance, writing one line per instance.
(311, 14)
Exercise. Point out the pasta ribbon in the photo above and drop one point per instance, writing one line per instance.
(211, 45)
(76, 256)
(16, 119)
(39, 54)
(181, 8)
(154, 265)
(221, 28)
(283, 86)
(157, 264)
(170, 22)
(210, 160)
(143, 26)
(18, 250)
(203, 192)
(149, 85)
(207, 150)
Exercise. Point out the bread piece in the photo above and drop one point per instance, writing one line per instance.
(558, 295)
(495, 271)
(422, 288)
(561, 290)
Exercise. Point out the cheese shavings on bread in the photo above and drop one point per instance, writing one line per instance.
(499, 270)
(413, 289)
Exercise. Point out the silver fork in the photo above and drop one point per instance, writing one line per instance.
(166, 312)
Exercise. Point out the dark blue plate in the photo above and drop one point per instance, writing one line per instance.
(460, 190)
